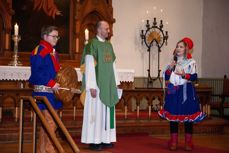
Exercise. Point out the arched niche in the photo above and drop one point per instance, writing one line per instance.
(89, 12)
(89, 22)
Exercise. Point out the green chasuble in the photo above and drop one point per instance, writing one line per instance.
(104, 56)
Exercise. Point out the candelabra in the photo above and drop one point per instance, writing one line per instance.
(154, 35)
(15, 61)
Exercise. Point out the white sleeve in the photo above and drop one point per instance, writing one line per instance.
(90, 77)
(192, 68)
(116, 74)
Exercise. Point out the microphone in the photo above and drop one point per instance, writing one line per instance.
(175, 59)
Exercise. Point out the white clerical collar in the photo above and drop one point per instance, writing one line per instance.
(100, 39)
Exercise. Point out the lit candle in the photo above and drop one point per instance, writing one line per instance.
(16, 29)
(86, 34)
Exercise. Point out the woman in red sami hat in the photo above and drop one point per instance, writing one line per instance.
(189, 44)
(181, 101)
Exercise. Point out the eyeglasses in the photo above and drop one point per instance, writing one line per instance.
(55, 37)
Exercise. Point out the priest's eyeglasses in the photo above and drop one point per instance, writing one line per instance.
(55, 37)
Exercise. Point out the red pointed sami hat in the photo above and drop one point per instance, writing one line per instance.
(190, 45)
(189, 42)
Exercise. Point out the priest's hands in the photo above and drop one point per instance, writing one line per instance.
(93, 93)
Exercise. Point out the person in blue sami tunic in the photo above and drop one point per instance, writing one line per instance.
(44, 67)
(181, 101)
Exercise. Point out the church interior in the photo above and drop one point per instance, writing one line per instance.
(144, 34)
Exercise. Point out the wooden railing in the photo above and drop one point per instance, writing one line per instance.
(132, 100)
(12, 94)
(131, 96)
(45, 124)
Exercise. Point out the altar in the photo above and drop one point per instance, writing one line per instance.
(14, 83)
(131, 101)
(22, 73)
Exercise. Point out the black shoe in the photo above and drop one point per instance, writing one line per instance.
(96, 147)
(107, 145)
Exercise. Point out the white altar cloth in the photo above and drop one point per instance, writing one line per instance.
(22, 73)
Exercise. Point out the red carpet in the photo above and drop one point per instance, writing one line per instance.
(148, 144)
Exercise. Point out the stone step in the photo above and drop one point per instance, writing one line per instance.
(9, 130)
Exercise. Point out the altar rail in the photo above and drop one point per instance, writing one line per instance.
(133, 101)
(151, 100)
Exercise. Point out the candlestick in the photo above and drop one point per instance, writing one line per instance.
(161, 24)
(147, 24)
(16, 29)
(16, 38)
(154, 21)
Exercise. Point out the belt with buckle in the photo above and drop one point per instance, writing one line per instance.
(42, 88)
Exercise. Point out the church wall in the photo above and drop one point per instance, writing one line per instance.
(215, 38)
(184, 18)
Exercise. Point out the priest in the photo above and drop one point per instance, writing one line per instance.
(100, 92)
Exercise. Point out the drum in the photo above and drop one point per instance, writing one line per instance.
(67, 78)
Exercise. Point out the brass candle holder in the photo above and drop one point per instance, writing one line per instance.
(15, 61)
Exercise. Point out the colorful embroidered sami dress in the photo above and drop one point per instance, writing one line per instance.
(181, 102)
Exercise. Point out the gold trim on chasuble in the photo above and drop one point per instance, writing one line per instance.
(107, 57)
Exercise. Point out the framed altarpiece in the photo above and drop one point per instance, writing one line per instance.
(71, 17)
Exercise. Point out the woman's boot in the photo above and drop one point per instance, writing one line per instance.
(188, 142)
(172, 144)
